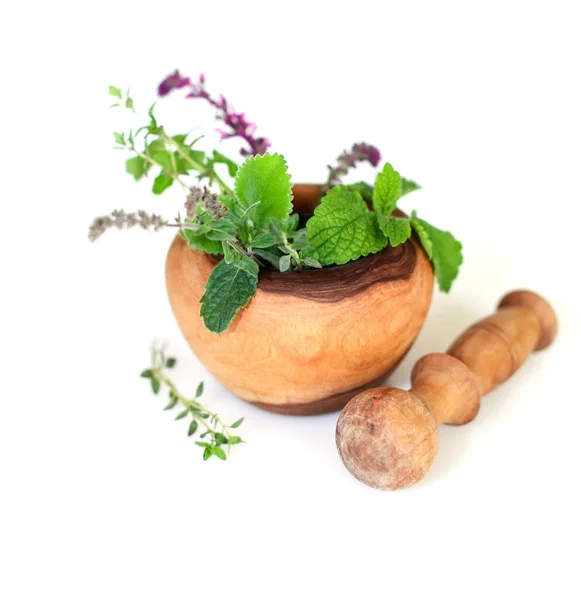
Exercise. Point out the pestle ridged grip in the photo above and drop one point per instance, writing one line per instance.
(388, 438)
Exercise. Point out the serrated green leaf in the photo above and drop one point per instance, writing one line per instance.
(396, 230)
(217, 451)
(246, 263)
(161, 183)
(387, 190)
(228, 289)
(442, 248)
(155, 385)
(343, 229)
(199, 390)
(237, 423)
(407, 186)
(265, 179)
(135, 166)
(115, 91)
(192, 428)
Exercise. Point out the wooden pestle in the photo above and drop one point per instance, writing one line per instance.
(388, 438)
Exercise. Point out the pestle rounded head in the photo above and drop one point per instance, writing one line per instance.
(540, 307)
(387, 438)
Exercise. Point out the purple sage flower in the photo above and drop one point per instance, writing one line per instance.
(236, 123)
(348, 160)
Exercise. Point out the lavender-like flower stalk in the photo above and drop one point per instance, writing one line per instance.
(236, 122)
(347, 160)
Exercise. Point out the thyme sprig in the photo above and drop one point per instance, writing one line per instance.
(209, 426)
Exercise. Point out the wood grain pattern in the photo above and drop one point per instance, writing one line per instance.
(385, 436)
(307, 341)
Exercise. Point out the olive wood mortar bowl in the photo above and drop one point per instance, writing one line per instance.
(311, 340)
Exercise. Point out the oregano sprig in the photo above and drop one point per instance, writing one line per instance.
(208, 426)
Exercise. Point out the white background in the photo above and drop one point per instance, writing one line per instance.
(102, 495)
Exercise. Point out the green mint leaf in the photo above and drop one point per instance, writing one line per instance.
(284, 263)
(407, 186)
(217, 451)
(442, 248)
(115, 91)
(387, 190)
(161, 183)
(237, 423)
(135, 166)
(228, 289)
(264, 179)
(343, 229)
(119, 138)
(396, 230)
(199, 241)
(246, 263)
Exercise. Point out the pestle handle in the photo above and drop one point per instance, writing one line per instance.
(490, 352)
(388, 437)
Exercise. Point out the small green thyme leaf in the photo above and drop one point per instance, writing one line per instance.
(146, 374)
(396, 230)
(119, 138)
(442, 248)
(237, 423)
(115, 91)
(228, 289)
(192, 428)
(217, 451)
(207, 453)
(387, 190)
(199, 390)
(284, 263)
(155, 385)
(170, 363)
(265, 180)
(343, 229)
(182, 415)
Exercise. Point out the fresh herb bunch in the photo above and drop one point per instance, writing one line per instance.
(208, 426)
(251, 225)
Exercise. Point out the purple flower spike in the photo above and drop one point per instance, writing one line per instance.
(348, 160)
(172, 82)
(236, 123)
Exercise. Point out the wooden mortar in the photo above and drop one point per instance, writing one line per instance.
(308, 341)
